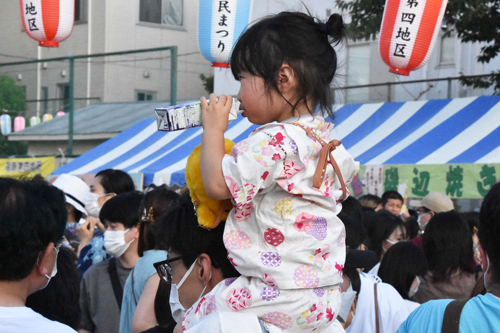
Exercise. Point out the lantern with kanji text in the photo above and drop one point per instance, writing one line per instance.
(408, 33)
(220, 24)
(48, 21)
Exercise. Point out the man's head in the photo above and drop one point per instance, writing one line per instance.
(432, 203)
(179, 232)
(489, 234)
(392, 201)
(121, 215)
(33, 216)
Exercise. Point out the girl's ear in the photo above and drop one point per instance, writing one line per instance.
(285, 77)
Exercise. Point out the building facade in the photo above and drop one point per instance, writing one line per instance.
(102, 27)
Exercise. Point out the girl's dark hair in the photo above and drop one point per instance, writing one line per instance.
(401, 264)
(156, 203)
(116, 181)
(447, 245)
(59, 300)
(412, 227)
(300, 41)
(383, 225)
(179, 231)
(353, 207)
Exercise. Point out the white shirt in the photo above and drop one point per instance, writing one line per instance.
(23, 320)
(391, 307)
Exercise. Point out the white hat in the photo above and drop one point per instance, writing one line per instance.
(74, 189)
(434, 201)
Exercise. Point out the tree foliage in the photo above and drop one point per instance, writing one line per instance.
(471, 20)
(11, 100)
(208, 83)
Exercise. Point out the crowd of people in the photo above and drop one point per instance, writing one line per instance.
(156, 246)
(296, 253)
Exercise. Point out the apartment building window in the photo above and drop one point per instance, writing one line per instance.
(81, 13)
(169, 13)
(145, 96)
(447, 49)
(45, 97)
(63, 94)
(358, 72)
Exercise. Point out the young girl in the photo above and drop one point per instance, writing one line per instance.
(286, 180)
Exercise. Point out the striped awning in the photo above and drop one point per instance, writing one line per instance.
(460, 130)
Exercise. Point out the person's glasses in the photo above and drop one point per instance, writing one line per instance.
(422, 211)
(164, 269)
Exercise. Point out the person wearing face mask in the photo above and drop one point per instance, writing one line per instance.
(386, 229)
(75, 191)
(448, 248)
(105, 185)
(480, 313)
(32, 220)
(101, 288)
(403, 266)
(429, 206)
(196, 263)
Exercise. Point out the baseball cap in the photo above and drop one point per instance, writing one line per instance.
(74, 190)
(435, 201)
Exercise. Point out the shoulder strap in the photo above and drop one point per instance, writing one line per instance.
(115, 282)
(377, 323)
(133, 290)
(451, 318)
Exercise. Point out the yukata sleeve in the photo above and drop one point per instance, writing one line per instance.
(255, 165)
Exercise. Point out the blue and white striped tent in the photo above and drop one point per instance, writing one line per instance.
(461, 130)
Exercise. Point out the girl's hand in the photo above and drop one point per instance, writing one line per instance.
(215, 115)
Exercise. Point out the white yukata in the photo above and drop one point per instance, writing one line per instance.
(283, 235)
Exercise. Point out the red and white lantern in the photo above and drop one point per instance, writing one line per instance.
(48, 21)
(409, 32)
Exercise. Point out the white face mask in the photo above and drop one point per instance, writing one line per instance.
(422, 226)
(345, 305)
(413, 291)
(176, 307)
(114, 242)
(54, 269)
(91, 205)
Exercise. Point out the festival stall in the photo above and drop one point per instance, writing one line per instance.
(450, 145)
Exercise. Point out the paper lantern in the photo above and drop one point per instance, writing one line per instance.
(6, 124)
(48, 21)
(220, 24)
(19, 123)
(60, 114)
(408, 33)
(46, 117)
(34, 121)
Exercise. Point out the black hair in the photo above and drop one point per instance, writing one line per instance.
(300, 41)
(391, 195)
(351, 206)
(156, 203)
(447, 245)
(353, 275)
(355, 231)
(32, 215)
(489, 229)
(472, 219)
(180, 232)
(383, 225)
(59, 301)
(412, 227)
(369, 201)
(124, 208)
(116, 181)
(401, 264)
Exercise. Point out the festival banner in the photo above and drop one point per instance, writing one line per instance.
(27, 167)
(458, 181)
